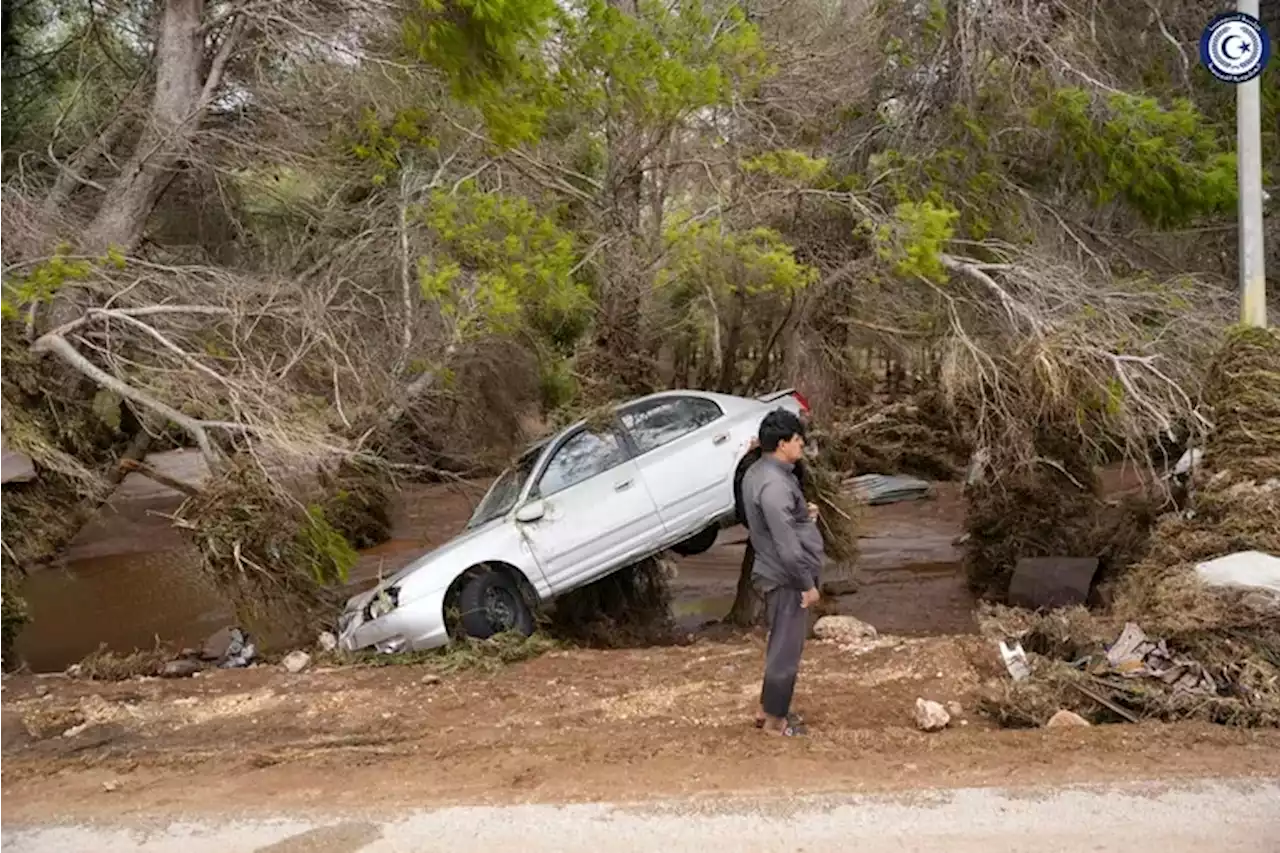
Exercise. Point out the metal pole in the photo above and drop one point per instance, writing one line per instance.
(1253, 294)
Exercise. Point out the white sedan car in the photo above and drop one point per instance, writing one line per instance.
(590, 500)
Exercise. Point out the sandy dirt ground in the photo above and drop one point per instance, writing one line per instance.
(579, 725)
(569, 726)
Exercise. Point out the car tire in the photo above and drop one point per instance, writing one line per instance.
(697, 543)
(490, 603)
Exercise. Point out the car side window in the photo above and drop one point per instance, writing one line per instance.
(663, 421)
(587, 453)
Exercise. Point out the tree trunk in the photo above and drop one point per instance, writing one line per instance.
(176, 110)
(747, 608)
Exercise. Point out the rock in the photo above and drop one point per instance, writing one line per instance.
(218, 644)
(42, 690)
(75, 730)
(931, 716)
(955, 709)
(296, 662)
(327, 641)
(843, 629)
(430, 678)
(181, 668)
(16, 467)
(110, 786)
(1065, 719)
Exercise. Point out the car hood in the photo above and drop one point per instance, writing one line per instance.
(438, 557)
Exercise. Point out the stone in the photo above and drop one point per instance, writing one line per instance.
(955, 709)
(327, 642)
(181, 668)
(296, 662)
(430, 678)
(110, 786)
(931, 716)
(218, 644)
(1065, 719)
(16, 467)
(843, 629)
(42, 690)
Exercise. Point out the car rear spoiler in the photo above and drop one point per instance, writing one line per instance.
(774, 396)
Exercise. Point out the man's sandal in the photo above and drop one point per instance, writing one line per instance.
(793, 719)
(791, 729)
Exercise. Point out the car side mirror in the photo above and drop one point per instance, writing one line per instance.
(530, 512)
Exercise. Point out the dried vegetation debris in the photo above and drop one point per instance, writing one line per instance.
(630, 607)
(914, 436)
(274, 557)
(1171, 647)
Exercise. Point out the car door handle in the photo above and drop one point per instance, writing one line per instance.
(623, 486)
(721, 438)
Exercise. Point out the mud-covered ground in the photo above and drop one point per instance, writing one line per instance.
(571, 725)
(577, 725)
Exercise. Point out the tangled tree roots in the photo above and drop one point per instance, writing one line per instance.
(275, 559)
(1234, 637)
(1035, 511)
(838, 514)
(913, 438)
(1042, 510)
(631, 607)
(357, 504)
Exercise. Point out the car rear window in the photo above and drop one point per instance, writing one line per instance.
(662, 421)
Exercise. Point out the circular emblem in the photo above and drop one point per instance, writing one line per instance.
(1235, 47)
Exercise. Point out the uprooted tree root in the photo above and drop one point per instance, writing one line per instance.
(913, 438)
(631, 607)
(838, 513)
(357, 504)
(275, 559)
(1232, 635)
(1039, 514)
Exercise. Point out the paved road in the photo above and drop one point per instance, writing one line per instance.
(1223, 817)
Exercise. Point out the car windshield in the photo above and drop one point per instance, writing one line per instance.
(505, 491)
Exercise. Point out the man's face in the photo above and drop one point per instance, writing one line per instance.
(792, 449)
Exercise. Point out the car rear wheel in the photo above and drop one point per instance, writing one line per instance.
(699, 542)
(490, 603)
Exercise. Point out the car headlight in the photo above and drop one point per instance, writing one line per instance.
(382, 603)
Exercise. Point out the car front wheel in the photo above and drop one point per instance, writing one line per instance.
(490, 603)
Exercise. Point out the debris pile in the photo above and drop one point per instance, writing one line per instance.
(276, 559)
(226, 648)
(1176, 644)
(913, 437)
(630, 607)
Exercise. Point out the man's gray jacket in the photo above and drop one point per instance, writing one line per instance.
(788, 545)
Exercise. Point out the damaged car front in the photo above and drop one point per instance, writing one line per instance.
(407, 611)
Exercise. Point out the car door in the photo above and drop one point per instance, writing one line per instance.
(597, 512)
(685, 456)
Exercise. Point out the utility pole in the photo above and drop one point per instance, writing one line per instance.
(1253, 293)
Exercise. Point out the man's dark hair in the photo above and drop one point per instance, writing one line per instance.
(779, 426)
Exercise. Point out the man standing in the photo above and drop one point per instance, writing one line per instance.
(788, 559)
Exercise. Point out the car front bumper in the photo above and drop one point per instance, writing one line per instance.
(414, 626)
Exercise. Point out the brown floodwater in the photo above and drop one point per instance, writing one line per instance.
(129, 580)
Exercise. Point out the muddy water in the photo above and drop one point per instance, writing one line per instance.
(129, 579)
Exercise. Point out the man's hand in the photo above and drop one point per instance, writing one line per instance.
(813, 511)
(809, 597)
